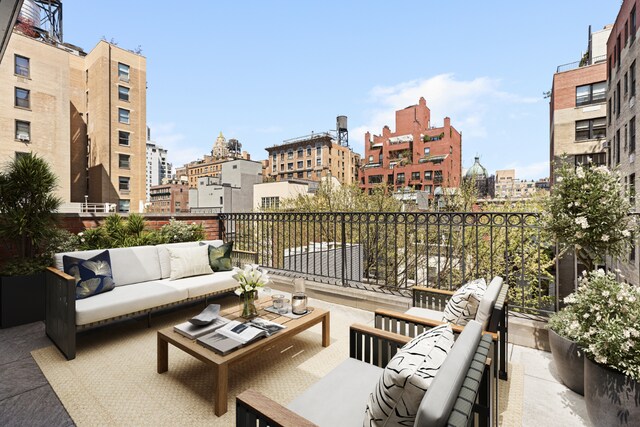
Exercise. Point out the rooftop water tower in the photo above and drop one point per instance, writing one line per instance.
(341, 129)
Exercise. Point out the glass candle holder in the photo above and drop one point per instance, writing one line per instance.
(299, 303)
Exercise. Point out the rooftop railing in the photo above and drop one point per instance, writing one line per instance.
(391, 252)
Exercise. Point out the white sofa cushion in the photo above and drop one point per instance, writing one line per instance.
(397, 396)
(59, 264)
(190, 261)
(125, 300)
(197, 286)
(340, 397)
(488, 301)
(165, 259)
(134, 265)
(463, 304)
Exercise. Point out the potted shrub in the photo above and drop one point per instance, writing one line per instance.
(605, 322)
(588, 213)
(27, 223)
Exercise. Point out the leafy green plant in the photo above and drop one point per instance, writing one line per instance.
(28, 207)
(180, 231)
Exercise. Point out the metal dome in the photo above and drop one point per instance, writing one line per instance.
(477, 170)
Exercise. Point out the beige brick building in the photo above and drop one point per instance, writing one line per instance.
(313, 157)
(83, 112)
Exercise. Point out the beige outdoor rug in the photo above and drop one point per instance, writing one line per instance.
(113, 380)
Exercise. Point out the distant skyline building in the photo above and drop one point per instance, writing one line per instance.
(578, 108)
(158, 169)
(484, 183)
(313, 157)
(172, 196)
(417, 157)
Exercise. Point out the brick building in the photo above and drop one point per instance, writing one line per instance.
(172, 197)
(312, 157)
(577, 106)
(417, 156)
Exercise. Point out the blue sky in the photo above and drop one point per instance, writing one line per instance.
(266, 71)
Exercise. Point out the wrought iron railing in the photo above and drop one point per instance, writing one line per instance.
(391, 252)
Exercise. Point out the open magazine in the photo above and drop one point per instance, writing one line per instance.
(249, 331)
(235, 334)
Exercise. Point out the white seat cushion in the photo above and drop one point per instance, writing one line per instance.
(340, 397)
(197, 286)
(125, 300)
(425, 313)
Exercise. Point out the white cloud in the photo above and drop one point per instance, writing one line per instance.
(467, 102)
(168, 137)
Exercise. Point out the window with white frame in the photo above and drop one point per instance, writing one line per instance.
(123, 93)
(123, 116)
(123, 72)
(591, 93)
(591, 129)
(23, 130)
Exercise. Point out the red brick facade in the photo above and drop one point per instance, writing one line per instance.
(416, 155)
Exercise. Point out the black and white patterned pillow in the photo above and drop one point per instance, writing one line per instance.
(463, 305)
(406, 377)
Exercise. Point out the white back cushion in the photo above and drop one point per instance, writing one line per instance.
(165, 259)
(134, 265)
(189, 261)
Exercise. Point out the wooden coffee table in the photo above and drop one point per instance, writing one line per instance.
(221, 363)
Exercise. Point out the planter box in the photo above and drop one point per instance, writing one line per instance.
(22, 299)
(612, 398)
(569, 361)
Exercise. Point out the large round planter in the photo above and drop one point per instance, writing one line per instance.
(568, 357)
(612, 398)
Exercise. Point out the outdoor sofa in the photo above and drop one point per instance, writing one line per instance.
(142, 286)
(459, 394)
(426, 313)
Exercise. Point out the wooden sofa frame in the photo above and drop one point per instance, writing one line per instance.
(436, 299)
(472, 407)
(60, 306)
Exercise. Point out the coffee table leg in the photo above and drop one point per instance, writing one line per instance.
(221, 380)
(163, 355)
(326, 331)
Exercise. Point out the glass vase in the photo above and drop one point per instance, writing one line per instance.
(249, 309)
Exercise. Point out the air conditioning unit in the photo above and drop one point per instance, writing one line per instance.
(23, 137)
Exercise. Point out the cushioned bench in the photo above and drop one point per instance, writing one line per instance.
(142, 285)
(459, 395)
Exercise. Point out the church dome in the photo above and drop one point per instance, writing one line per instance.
(477, 170)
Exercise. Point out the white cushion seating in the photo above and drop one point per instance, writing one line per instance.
(488, 301)
(340, 397)
(124, 300)
(198, 286)
(165, 258)
(188, 262)
(425, 313)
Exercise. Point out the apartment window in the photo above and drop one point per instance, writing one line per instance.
(22, 98)
(299, 175)
(281, 167)
(289, 154)
(123, 72)
(270, 202)
(123, 116)
(618, 49)
(632, 135)
(318, 174)
(23, 131)
(290, 166)
(632, 20)
(437, 176)
(427, 150)
(124, 161)
(318, 151)
(123, 183)
(308, 151)
(591, 129)
(308, 174)
(427, 189)
(309, 163)
(610, 111)
(626, 85)
(428, 175)
(275, 158)
(221, 200)
(415, 176)
(124, 138)
(300, 152)
(123, 93)
(617, 147)
(318, 161)
(626, 32)
(123, 205)
(370, 159)
(632, 77)
(281, 157)
(400, 178)
(290, 175)
(632, 191)
(590, 94)
(22, 67)
(300, 163)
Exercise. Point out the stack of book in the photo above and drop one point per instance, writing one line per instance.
(235, 334)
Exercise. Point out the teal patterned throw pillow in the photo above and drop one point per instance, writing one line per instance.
(220, 257)
(93, 276)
